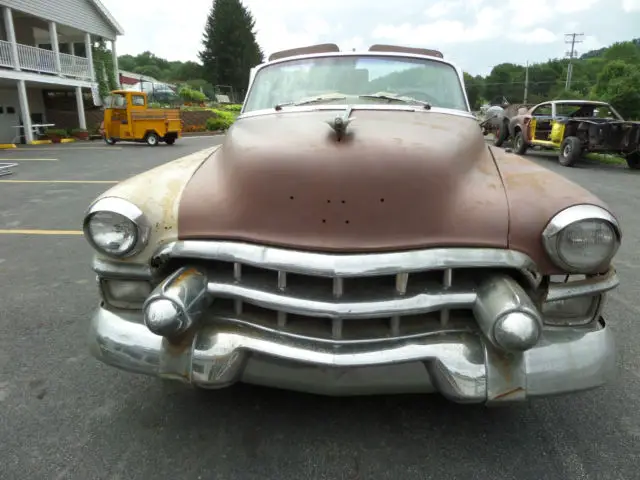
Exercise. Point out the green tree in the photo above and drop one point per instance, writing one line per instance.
(474, 86)
(505, 80)
(618, 84)
(230, 46)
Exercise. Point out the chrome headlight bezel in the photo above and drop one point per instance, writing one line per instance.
(130, 212)
(570, 216)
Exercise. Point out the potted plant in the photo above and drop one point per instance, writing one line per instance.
(80, 134)
(56, 134)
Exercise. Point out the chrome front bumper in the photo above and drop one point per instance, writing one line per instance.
(463, 367)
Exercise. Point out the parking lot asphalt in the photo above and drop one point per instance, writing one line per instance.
(63, 415)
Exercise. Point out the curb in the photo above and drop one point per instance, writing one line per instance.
(7, 146)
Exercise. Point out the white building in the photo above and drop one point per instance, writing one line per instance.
(46, 44)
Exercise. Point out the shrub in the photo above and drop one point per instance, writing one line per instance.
(233, 107)
(57, 132)
(190, 95)
(221, 121)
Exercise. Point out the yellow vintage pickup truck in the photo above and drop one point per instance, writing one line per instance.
(127, 117)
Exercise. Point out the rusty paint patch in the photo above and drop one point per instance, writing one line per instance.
(179, 345)
(509, 393)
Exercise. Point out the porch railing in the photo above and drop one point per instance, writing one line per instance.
(43, 61)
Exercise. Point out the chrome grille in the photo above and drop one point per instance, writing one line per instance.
(324, 326)
(343, 297)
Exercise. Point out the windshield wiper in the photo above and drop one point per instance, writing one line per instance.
(426, 105)
(309, 101)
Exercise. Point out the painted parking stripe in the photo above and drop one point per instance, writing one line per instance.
(34, 159)
(61, 181)
(40, 232)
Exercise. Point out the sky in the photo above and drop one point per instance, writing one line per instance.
(475, 34)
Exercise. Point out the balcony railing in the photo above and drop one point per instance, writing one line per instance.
(43, 61)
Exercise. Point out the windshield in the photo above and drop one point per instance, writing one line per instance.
(586, 110)
(346, 79)
(116, 101)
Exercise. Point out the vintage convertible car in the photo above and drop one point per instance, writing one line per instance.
(354, 234)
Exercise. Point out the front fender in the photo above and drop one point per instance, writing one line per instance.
(535, 195)
(157, 193)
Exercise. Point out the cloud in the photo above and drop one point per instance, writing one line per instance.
(477, 33)
(485, 27)
(537, 36)
(631, 5)
(441, 8)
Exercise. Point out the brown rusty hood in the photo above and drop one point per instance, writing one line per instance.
(535, 195)
(400, 180)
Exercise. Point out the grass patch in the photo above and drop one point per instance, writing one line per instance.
(606, 158)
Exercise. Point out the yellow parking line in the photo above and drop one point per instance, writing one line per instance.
(40, 232)
(50, 148)
(60, 181)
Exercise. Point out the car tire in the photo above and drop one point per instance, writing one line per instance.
(519, 143)
(152, 139)
(633, 160)
(501, 135)
(570, 151)
(170, 140)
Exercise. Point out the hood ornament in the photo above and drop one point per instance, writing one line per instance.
(340, 123)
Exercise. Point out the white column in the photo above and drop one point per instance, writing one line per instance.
(80, 103)
(25, 114)
(53, 35)
(116, 69)
(11, 36)
(89, 50)
(72, 52)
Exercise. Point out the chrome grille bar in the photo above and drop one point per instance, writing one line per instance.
(402, 281)
(237, 277)
(447, 282)
(338, 287)
(349, 265)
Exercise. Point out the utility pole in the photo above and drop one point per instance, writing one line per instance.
(571, 38)
(526, 83)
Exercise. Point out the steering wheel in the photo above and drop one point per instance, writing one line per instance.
(417, 94)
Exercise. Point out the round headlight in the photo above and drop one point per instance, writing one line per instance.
(582, 238)
(116, 227)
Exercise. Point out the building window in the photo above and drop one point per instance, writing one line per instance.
(46, 46)
(65, 48)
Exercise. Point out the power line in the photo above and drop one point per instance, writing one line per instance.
(571, 38)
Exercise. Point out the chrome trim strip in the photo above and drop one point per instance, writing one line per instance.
(356, 107)
(224, 319)
(113, 269)
(590, 286)
(349, 265)
(407, 305)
